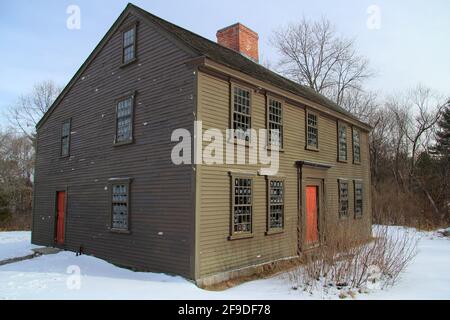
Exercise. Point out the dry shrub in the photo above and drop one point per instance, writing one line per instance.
(346, 262)
(16, 222)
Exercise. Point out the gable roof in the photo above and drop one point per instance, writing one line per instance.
(235, 60)
(213, 51)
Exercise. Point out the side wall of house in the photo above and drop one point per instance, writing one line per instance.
(161, 198)
(219, 254)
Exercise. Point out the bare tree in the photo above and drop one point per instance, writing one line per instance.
(30, 108)
(314, 55)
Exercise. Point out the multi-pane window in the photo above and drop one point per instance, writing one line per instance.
(276, 204)
(124, 120)
(343, 198)
(342, 142)
(356, 146)
(65, 138)
(275, 119)
(358, 198)
(312, 130)
(129, 45)
(241, 113)
(120, 206)
(242, 205)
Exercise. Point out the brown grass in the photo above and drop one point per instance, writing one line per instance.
(16, 222)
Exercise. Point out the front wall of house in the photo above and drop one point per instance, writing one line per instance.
(216, 253)
(161, 216)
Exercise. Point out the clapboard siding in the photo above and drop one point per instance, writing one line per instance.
(216, 252)
(162, 221)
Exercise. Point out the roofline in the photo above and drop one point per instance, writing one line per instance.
(209, 64)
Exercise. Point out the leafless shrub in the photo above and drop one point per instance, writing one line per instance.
(345, 262)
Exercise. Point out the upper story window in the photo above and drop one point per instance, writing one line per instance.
(312, 130)
(120, 205)
(276, 204)
(275, 121)
(342, 142)
(356, 146)
(65, 138)
(358, 199)
(242, 208)
(242, 119)
(343, 198)
(129, 45)
(124, 120)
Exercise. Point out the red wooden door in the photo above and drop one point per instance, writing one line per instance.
(60, 215)
(312, 231)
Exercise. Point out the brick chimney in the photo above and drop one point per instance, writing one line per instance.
(241, 39)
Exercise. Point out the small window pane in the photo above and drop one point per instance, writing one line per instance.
(120, 206)
(65, 138)
(129, 40)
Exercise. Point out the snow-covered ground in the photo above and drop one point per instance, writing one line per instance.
(15, 244)
(55, 277)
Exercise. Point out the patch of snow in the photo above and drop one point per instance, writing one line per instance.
(51, 277)
(15, 244)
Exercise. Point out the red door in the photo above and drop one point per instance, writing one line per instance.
(60, 215)
(312, 231)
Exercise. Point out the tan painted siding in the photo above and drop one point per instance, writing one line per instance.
(216, 252)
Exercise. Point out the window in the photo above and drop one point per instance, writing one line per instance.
(120, 191)
(356, 146)
(65, 138)
(358, 199)
(241, 113)
(124, 120)
(276, 205)
(275, 121)
(242, 205)
(312, 131)
(342, 142)
(343, 198)
(129, 45)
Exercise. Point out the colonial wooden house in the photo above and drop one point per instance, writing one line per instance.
(105, 182)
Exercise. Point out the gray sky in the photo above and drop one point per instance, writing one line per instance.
(411, 46)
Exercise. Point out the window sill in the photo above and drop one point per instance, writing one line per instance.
(64, 157)
(312, 149)
(118, 144)
(358, 217)
(343, 218)
(274, 231)
(119, 231)
(240, 236)
(357, 162)
(126, 64)
(342, 161)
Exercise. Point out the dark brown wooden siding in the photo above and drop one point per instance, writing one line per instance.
(162, 194)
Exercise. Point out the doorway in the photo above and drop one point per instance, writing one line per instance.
(60, 217)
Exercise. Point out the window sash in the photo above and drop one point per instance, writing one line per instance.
(242, 120)
(129, 45)
(343, 198)
(65, 138)
(312, 131)
(124, 120)
(356, 146)
(275, 121)
(342, 142)
(358, 199)
(120, 205)
(276, 193)
(242, 206)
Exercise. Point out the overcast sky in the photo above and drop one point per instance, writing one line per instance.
(411, 46)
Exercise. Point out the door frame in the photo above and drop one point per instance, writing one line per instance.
(55, 220)
(311, 174)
